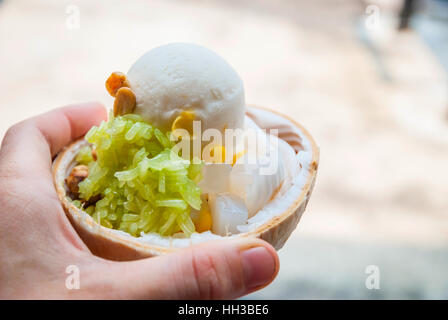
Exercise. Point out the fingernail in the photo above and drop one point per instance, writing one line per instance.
(259, 267)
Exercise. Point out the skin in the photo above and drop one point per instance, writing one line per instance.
(38, 242)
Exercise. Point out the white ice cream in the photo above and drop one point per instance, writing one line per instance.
(186, 77)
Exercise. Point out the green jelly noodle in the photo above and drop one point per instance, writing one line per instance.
(144, 185)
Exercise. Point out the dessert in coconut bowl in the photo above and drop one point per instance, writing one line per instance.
(183, 160)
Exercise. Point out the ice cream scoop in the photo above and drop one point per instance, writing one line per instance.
(190, 81)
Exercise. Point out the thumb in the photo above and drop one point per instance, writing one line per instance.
(222, 269)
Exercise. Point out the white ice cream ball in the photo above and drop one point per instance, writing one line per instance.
(186, 77)
(228, 211)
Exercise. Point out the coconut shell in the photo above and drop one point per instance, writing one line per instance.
(116, 245)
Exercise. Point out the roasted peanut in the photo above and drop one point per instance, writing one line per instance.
(116, 81)
(94, 155)
(125, 102)
(78, 174)
(93, 200)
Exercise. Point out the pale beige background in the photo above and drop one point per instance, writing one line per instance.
(375, 100)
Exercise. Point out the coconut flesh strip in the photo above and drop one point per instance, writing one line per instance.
(236, 192)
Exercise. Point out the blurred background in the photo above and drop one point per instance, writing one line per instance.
(369, 80)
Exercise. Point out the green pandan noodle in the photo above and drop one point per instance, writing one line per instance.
(143, 184)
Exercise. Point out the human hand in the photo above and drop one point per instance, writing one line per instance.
(38, 242)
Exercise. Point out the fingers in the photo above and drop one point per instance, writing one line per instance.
(25, 175)
(29, 145)
(224, 269)
(66, 124)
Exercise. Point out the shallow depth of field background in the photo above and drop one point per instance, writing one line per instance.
(374, 98)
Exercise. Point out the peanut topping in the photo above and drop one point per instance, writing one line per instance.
(78, 174)
(116, 81)
(124, 101)
(94, 155)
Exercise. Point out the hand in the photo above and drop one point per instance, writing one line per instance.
(38, 242)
